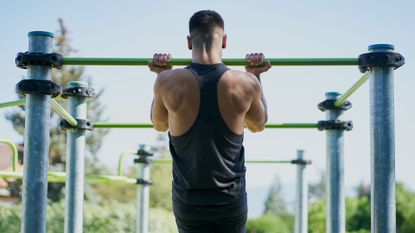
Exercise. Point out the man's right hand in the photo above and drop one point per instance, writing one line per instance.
(256, 65)
(160, 63)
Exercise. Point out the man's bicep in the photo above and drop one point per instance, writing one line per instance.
(159, 113)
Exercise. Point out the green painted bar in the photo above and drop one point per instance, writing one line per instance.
(15, 154)
(168, 161)
(59, 177)
(19, 102)
(351, 90)
(148, 125)
(63, 113)
(228, 61)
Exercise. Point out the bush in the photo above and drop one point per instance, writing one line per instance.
(112, 217)
(268, 224)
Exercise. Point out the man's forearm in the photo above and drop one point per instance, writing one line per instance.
(264, 102)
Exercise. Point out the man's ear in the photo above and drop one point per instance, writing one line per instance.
(224, 41)
(189, 43)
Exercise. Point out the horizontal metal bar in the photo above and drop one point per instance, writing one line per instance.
(162, 161)
(63, 113)
(19, 102)
(228, 61)
(120, 171)
(351, 90)
(15, 154)
(149, 125)
(59, 177)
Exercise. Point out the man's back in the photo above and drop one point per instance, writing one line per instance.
(236, 91)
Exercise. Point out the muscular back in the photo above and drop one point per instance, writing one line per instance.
(238, 99)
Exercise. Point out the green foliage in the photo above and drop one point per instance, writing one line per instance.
(112, 217)
(269, 224)
(358, 213)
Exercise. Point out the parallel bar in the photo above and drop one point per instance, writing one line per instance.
(75, 163)
(120, 171)
(15, 154)
(36, 138)
(382, 146)
(59, 177)
(227, 61)
(19, 102)
(247, 161)
(63, 113)
(335, 212)
(351, 90)
(149, 125)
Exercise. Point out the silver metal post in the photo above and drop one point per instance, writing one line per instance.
(75, 164)
(36, 140)
(143, 197)
(335, 214)
(382, 133)
(301, 208)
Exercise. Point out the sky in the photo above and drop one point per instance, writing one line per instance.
(279, 29)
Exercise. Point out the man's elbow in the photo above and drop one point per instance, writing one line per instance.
(256, 128)
(161, 127)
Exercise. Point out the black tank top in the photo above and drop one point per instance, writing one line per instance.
(208, 159)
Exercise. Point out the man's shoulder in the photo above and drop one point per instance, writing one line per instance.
(237, 77)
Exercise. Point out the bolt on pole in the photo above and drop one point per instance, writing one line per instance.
(36, 138)
(301, 207)
(75, 165)
(382, 133)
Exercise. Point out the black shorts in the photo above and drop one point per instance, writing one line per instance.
(230, 218)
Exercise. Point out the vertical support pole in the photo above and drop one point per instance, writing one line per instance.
(143, 190)
(335, 214)
(301, 208)
(75, 165)
(36, 140)
(382, 135)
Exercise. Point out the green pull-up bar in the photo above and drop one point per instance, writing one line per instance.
(148, 125)
(95, 61)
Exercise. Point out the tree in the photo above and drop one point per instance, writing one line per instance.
(318, 190)
(57, 147)
(275, 204)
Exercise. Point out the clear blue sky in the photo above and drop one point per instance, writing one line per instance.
(277, 28)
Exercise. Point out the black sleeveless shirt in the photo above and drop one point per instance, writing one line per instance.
(208, 159)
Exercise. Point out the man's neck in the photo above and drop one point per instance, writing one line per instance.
(203, 57)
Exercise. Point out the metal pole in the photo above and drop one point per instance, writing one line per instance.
(335, 218)
(75, 164)
(382, 145)
(36, 140)
(301, 208)
(143, 191)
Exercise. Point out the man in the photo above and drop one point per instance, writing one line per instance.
(205, 107)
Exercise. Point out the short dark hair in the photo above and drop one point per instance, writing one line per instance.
(205, 21)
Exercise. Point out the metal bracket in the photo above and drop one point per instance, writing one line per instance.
(144, 182)
(388, 59)
(86, 92)
(335, 125)
(38, 86)
(301, 162)
(143, 160)
(82, 124)
(329, 105)
(53, 60)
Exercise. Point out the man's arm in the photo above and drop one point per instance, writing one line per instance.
(257, 115)
(159, 114)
